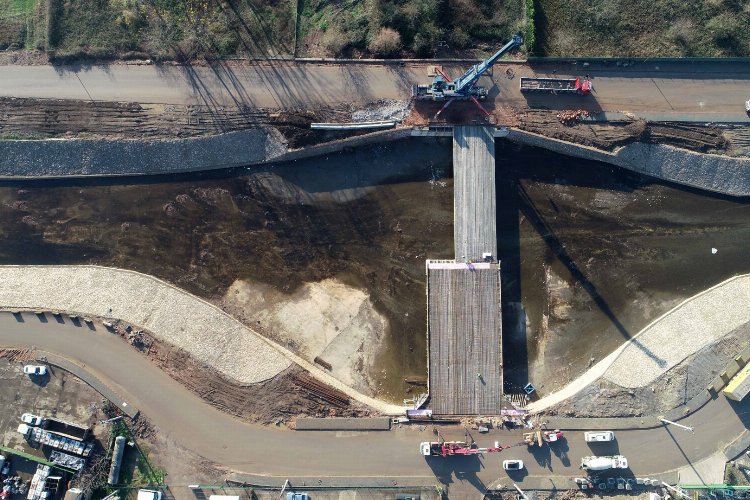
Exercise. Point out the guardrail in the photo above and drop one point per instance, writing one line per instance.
(353, 125)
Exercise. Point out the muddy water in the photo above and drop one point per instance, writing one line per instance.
(590, 254)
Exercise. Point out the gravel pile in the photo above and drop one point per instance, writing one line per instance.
(172, 315)
(61, 157)
(683, 331)
(384, 110)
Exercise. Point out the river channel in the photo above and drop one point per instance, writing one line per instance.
(590, 253)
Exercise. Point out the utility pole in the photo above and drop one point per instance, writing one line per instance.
(523, 495)
(685, 427)
(681, 493)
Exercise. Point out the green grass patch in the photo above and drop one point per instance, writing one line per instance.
(16, 7)
(643, 28)
(22, 136)
(530, 32)
(173, 29)
(137, 471)
(22, 24)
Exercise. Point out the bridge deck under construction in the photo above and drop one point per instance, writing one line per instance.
(474, 214)
(465, 338)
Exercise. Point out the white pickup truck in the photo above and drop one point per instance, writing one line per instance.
(596, 464)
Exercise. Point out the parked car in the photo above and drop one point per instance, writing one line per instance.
(31, 419)
(598, 436)
(512, 464)
(35, 370)
(620, 483)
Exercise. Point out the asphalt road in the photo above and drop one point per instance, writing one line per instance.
(269, 451)
(691, 91)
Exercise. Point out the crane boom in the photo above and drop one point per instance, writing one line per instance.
(468, 79)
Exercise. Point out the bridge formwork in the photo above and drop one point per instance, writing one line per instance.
(464, 320)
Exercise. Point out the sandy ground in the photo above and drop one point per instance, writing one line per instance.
(328, 319)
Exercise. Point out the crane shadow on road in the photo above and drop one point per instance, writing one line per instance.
(542, 455)
(560, 450)
(449, 470)
(684, 455)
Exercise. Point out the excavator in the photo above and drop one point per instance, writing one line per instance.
(464, 87)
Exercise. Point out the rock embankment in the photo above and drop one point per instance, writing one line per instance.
(108, 157)
(716, 173)
(681, 332)
(174, 316)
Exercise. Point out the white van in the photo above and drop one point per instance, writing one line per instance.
(149, 495)
(599, 436)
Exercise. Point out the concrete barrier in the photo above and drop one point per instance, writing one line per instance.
(343, 424)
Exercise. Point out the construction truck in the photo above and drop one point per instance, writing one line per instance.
(556, 85)
(597, 464)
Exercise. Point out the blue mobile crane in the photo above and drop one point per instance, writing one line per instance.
(464, 87)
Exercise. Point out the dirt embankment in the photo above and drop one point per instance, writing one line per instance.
(278, 400)
(609, 136)
(25, 118)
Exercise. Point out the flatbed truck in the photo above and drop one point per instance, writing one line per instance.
(556, 85)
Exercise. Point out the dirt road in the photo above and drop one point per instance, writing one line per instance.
(263, 450)
(687, 90)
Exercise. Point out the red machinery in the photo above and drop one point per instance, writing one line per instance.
(456, 448)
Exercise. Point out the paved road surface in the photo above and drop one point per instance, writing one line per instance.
(687, 90)
(261, 450)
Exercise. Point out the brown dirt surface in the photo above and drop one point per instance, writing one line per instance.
(609, 136)
(18, 355)
(289, 395)
(25, 118)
